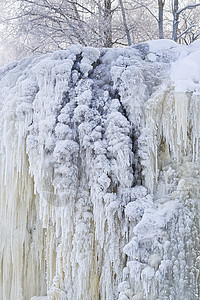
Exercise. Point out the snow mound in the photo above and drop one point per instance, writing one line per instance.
(156, 46)
(185, 73)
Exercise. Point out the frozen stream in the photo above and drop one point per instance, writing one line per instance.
(100, 174)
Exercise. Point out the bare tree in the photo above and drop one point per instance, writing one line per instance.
(189, 26)
(43, 25)
(152, 12)
(46, 25)
(125, 22)
(161, 4)
(176, 18)
(59, 23)
(107, 23)
(180, 25)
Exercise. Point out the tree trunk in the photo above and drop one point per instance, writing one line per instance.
(124, 22)
(175, 20)
(107, 24)
(161, 4)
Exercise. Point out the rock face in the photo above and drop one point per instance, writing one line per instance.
(100, 174)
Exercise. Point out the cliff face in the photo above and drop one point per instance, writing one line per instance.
(99, 174)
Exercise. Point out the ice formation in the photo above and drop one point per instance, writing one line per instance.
(100, 174)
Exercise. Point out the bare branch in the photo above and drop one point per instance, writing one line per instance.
(185, 31)
(146, 7)
(190, 6)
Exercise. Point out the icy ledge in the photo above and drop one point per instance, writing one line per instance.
(99, 171)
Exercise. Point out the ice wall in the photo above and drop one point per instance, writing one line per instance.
(99, 174)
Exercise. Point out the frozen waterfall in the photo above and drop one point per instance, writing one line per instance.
(100, 174)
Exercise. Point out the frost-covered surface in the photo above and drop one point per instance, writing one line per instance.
(99, 170)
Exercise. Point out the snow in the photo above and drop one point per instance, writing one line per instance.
(185, 73)
(100, 174)
(157, 46)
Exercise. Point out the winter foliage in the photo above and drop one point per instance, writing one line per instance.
(99, 174)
